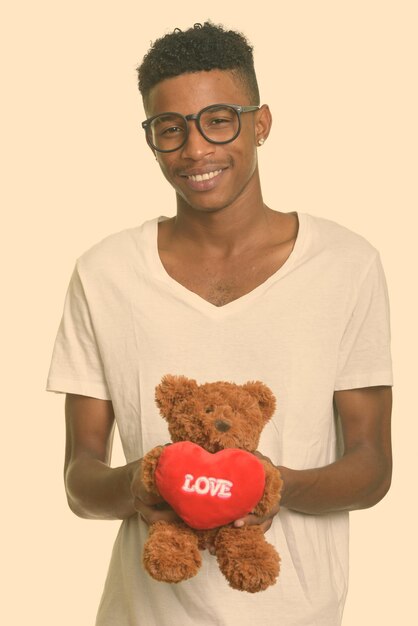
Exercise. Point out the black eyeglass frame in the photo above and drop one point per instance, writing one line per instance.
(196, 116)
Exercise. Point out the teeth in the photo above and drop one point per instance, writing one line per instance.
(199, 177)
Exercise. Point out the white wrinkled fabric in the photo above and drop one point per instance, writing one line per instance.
(319, 324)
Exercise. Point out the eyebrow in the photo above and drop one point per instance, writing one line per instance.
(166, 117)
(219, 107)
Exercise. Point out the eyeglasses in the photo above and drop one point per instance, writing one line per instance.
(217, 123)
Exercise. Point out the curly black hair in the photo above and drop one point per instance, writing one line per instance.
(200, 48)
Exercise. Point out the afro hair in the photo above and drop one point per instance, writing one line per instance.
(200, 48)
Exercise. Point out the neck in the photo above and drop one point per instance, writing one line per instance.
(227, 230)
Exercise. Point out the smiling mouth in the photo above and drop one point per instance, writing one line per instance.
(197, 178)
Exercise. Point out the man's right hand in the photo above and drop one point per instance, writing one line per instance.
(151, 508)
(94, 489)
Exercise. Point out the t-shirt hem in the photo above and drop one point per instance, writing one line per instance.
(376, 379)
(79, 387)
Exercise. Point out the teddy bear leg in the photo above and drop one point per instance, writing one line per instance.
(246, 559)
(171, 552)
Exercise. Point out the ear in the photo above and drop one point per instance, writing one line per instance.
(172, 390)
(264, 397)
(263, 122)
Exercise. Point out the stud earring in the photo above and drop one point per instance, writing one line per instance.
(261, 141)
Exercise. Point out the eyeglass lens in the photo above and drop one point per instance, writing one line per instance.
(217, 124)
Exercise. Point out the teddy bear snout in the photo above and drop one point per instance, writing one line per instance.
(222, 426)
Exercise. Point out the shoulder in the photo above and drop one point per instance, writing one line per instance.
(117, 251)
(338, 243)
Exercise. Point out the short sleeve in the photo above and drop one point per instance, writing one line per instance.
(364, 358)
(76, 365)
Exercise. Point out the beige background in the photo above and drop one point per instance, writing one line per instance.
(340, 79)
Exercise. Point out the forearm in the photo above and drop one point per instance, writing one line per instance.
(97, 491)
(358, 480)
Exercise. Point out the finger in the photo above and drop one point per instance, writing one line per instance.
(163, 516)
(265, 526)
(261, 456)
(249, 520)
(252, 520)
(150, 499)
(150, 514)
(141, 507)
(139, 491)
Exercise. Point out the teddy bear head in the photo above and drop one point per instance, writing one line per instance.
(215, 415)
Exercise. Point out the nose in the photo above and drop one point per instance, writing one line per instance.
(222, 426)
(196, 146)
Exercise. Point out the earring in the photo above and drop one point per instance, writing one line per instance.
(261, 141)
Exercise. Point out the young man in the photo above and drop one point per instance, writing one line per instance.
(228, 289)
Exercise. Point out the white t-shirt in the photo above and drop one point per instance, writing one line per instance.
(319, 324)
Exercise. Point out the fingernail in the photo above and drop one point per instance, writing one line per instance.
(239, 523)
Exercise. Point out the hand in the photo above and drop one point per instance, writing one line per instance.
(266, 520)
(151, 508)
(252, 520)
(263, 457)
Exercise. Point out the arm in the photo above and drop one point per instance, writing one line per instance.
(363, 474)
(94, 489)
(360, 478)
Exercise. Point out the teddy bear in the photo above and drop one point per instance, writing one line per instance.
(210, 477)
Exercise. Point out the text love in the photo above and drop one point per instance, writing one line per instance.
(203, 485)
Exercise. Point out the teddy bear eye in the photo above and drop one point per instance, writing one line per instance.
(209, 409)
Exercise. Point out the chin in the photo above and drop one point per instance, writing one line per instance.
(209, 209)
(208, 205)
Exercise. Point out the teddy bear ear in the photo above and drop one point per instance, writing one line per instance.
(264, 397)
(171, 390)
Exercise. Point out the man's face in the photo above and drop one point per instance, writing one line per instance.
(231, 166)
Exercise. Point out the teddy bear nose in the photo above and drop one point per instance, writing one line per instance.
(222, 426)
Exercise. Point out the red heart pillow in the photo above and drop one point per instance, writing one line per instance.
(209, 490)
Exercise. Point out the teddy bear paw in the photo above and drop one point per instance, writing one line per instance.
(171, 553)
(246, 559)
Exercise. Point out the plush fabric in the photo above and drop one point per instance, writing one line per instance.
(211, 477)
(209, 490)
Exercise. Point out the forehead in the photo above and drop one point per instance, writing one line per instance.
(188, 93)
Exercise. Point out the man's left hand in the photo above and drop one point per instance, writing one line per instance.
(264, 522)
(253, 520)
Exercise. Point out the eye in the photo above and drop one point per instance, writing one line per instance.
(219, 120)
(172, 130)
(218, 115)
(209, 409)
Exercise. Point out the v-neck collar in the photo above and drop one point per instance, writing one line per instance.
(206, 307)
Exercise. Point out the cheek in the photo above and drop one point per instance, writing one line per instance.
(164, 163)
(244, 155)
(168, 171)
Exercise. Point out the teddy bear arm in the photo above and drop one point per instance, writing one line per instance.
(149, 465)
(272, 489)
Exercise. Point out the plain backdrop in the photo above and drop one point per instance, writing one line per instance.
(340, 78)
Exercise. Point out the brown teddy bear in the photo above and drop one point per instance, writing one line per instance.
(211, 478)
